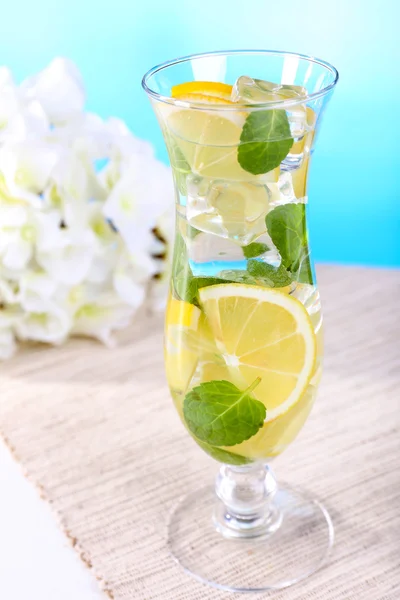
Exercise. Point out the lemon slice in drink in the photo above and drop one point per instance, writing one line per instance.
(209, 139)
(180, 360)
(203, 91)
(261, 333)
(188, 340)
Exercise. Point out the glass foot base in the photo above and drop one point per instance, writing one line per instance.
(295, 545)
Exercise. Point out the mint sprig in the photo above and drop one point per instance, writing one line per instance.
(255, 249)
(286, 224)
(275, 277)
(220, 414)
(265, 141)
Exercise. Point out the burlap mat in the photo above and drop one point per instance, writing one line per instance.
(97, 433)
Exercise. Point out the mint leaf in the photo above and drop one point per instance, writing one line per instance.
(229, 458)
(194, 284)
(272, 276)
(265, 141)
(286, 225)
(218, 413)
(254, 249)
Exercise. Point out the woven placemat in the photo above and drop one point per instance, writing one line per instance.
(96, 431)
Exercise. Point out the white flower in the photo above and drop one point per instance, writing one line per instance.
(19, 118)
(12, 214)
(69, 261)
(125, 150)
(23, 228)
(28, 123)
(79, 200)
(70, 191)
(47, 232)
(51, 325)
(26, 168)
(36, 289)
(137, 200)
(125, 145)
(16, 248)
(130, 276)
(59, 88)
(9, 97)
(86, 134)
(8, 291)
(108, 246)
(99, 318)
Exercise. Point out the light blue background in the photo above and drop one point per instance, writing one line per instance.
(355, 177)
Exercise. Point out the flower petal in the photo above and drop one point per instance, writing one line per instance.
(27, 165)
(36, 289)
(128, 290)
(15, 252)
(132, 210)
(69, 263)
(12, 214)
(48, 234)
(51, 326)
(8, 292)
(101, 318)
(59, 88)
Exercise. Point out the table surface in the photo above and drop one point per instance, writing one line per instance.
(347, 453)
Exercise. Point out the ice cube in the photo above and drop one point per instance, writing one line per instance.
(257, 91)
(234, 210)
(282, 192)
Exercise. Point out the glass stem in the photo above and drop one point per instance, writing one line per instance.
(245, 506)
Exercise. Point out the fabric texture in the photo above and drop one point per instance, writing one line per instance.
(98, 435)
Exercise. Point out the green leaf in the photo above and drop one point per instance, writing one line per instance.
(186, 285)
(194, 284)
(254, 249)
(273, 276)
(286, 225)
(229, 458)
(218, 413)
(265, 141)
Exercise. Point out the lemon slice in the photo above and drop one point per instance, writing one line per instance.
(203, 91)
(209, 140)
(180, 360)
(261, 333)
(188, 340)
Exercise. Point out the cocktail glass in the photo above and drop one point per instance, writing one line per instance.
(243, 337)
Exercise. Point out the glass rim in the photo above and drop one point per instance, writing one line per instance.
(222, 107)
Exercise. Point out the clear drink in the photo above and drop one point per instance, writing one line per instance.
(244, 306)
(243, 336)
